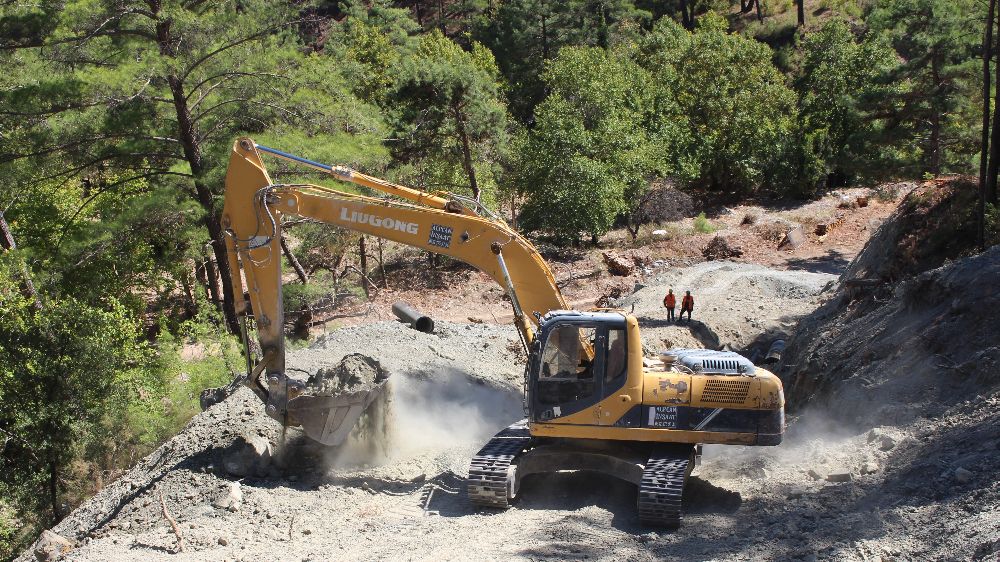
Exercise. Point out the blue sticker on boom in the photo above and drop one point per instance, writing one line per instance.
(440, 236)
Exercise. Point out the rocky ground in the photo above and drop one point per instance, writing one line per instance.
(852, 481)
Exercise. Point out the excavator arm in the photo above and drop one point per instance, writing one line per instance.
(439, 223)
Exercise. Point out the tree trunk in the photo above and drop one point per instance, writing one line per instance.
(8, 244)
(299, 270)
(984, 153)
(545, 40)
(934, 143)
(687, 14)
(54, 491)
(212, 273)
(801, 5)
(994, 163)
(192, 153)
(363, 260)
(190, 302)
(381, 265)
(463, 135)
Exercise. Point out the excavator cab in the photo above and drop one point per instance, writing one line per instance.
(579, 360)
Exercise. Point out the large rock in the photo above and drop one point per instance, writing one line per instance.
(793, 239)
(618, 265)
(51, 546)
(248, 456)
(232, 499)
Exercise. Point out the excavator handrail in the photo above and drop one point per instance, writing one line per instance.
(350, 175)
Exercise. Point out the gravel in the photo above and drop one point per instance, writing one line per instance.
(401, 498)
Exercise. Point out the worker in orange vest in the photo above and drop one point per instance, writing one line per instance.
(687, 304)
(669, 302)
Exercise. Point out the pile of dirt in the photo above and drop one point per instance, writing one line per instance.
(664, 203)
(720, 249)
(904, 316)
(902, 351)
(737, 306)
(354, 373)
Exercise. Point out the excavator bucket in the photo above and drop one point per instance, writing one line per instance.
(329, 419)
(329, 405)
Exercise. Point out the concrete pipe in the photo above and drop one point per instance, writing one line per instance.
(774, 353)
(413, 317)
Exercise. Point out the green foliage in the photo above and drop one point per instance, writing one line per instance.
(702, 224)
(525, 34)
(932, 114)
(451, 118)
(728, 99)
(375, 37)
(838, 74)
(67, 371)
(199, 357)
(589, 152)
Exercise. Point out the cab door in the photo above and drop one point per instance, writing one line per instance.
(567, 379)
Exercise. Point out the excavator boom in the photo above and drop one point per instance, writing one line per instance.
(451, 226)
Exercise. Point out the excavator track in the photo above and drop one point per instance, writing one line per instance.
(490, 475)
(662, 486)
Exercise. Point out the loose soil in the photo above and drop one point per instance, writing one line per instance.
(850, 482)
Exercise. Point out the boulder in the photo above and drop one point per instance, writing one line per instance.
(52, 546)
(793, 239)
(840, 476)
(248, 456)
(618, 265)
(963, 476)
(232, 499)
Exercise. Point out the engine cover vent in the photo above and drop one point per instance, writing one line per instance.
(726, 392)
(706, 361)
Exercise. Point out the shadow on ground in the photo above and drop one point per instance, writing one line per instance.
(832, 262)
(699, 330)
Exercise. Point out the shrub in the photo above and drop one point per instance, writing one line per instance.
(703, 225)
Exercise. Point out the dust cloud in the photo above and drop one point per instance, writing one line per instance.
(421, 414)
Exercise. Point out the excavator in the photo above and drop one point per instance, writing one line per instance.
(593, 400)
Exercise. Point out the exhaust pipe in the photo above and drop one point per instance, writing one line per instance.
(413, 317)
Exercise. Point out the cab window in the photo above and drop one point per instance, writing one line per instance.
(567, 369)
(617, 356)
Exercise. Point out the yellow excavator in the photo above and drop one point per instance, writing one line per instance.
(593, 400)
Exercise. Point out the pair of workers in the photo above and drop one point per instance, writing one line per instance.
(670, 302)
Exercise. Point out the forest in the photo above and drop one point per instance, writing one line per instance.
(117, 119)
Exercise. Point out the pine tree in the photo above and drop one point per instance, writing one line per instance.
(452, 120)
